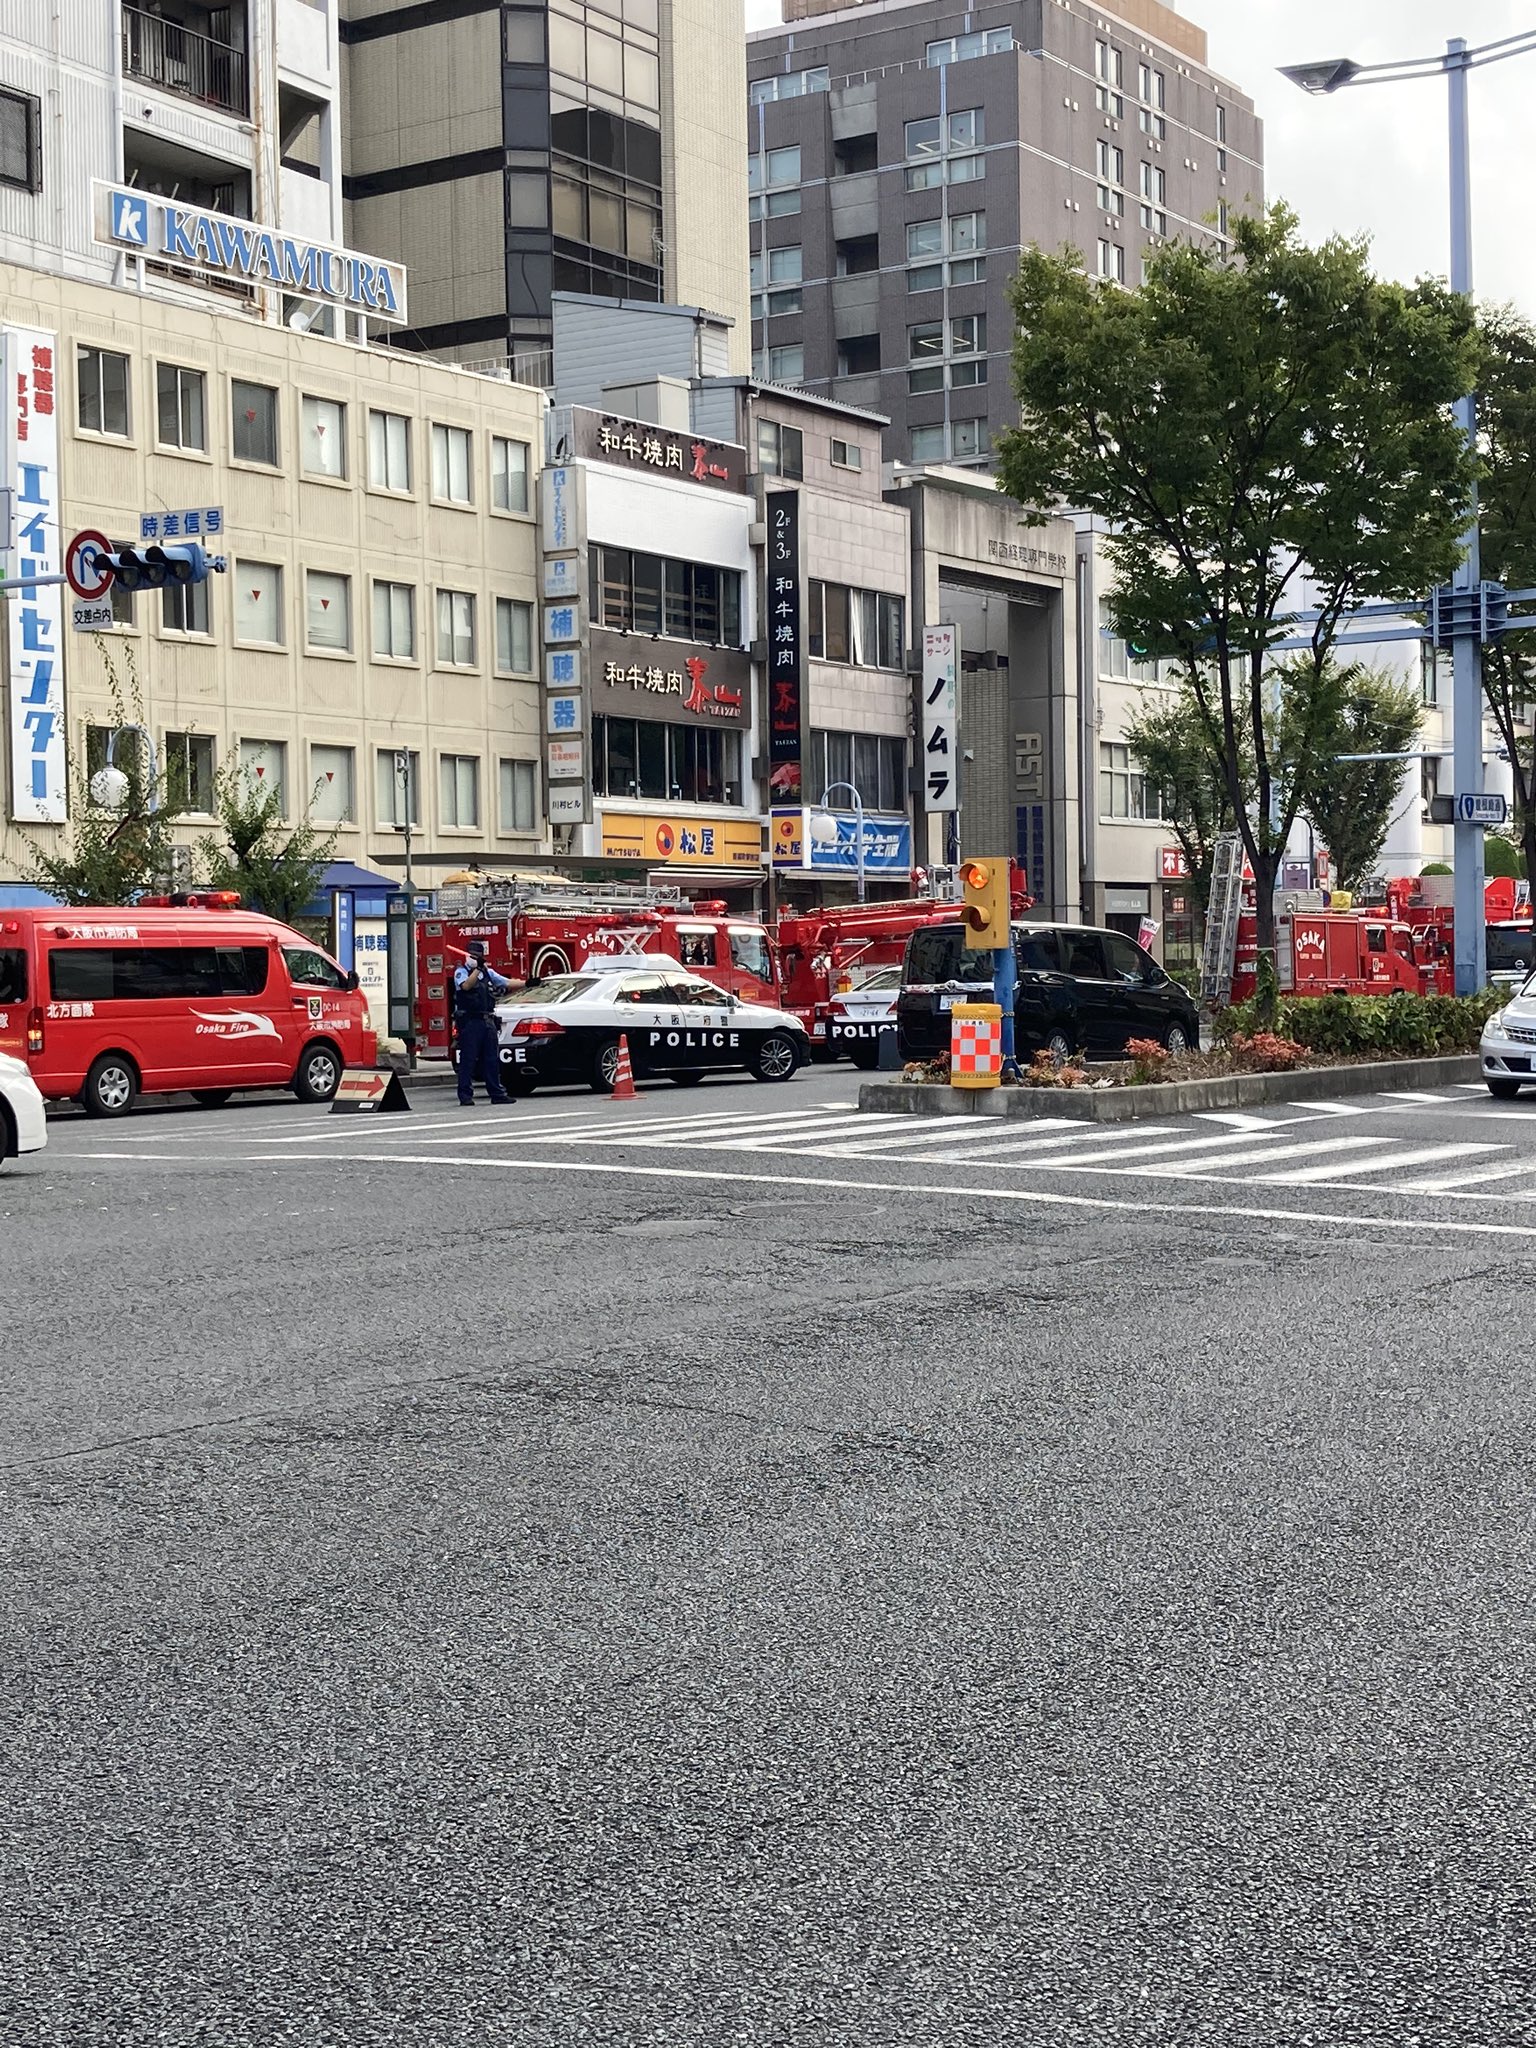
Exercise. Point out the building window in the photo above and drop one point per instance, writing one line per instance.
(1109, 69)
(328, 611)
(1112, 262)
(1222, 218)
(949, 352)
(397, 787)
(394, 622)
(253, 422)
(776, 267)
(189, 770)
(451, 465)
(1124, 789)
(259, 603)
(122, 606)
(773, 183)
(264, 764)
(862, 628)
(1429, 780)
(962, 441)
(780, 449)
(961, 236)
(985, 42)
(389, 451)
(1111, 167)
(639, 593)
(455, 629)
(786, 365)
(180, 421)
(788, 85)
(875, 764)
(940, 151)
(676, 763)
(514, 637)
(332, 798)
(184, 608)
(458, 792)
(21, 140)
(103, 391)
(847, 454)
(1114, 658)
(322, 437)
(509, 474)
(518, 783)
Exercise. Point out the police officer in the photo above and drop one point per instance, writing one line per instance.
(475, 989)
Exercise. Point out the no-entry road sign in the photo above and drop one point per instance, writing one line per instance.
(86, 566)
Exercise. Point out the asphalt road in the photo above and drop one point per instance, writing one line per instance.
(715, 1572)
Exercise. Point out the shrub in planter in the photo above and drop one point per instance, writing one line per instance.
(1395, 1027)
(1043, 1072)
(1266, 1052)
(1148, 1061)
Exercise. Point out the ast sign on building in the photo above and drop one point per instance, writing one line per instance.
(144, 224)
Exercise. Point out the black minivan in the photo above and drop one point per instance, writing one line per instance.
(1081, 990)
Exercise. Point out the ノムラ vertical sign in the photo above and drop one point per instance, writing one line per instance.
(39, 772)
(941, 721)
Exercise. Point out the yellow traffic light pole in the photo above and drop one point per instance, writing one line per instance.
(987, 915)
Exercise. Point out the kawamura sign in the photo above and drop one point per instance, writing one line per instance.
(192, 238)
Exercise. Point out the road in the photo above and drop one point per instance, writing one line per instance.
(719, 1570)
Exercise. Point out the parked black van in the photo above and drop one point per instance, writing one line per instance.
(1081, 990)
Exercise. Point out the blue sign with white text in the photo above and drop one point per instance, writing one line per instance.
(834, 842)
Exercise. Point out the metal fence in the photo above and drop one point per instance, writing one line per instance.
(179, 60)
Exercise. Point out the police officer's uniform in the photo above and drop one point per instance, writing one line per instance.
(474, 1013)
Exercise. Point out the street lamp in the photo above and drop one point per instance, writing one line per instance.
(109, 785)
(1467, 659)
(858, 812)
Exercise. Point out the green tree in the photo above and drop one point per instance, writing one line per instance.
(1502, 859)
(1247, 420)
(112, 854)
(1350, 805)
(1507, 436)
(275, 869)
(1170, 740)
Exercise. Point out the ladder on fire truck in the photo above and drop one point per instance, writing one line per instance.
(554, 895)
(1221, 920)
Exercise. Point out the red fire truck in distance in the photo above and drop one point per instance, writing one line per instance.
(534, 928)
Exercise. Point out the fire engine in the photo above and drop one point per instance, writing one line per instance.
(1338, 953)
(536, 927)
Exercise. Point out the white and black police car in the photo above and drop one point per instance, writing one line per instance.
(679, 1028)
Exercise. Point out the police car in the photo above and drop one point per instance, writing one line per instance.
(678, 1026)
(22, 1128)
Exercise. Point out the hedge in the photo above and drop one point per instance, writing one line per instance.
(1398, 1026)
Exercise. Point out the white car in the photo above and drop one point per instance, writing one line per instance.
(678, 1028)
(23, 1127)
(857, 1016)
(1509, 1044)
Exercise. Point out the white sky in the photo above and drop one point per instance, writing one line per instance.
(1374, 158)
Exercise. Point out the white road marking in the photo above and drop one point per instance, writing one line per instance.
(1389, 1162)
(1267, 1153)
(1045, 1130)
(1239, 1119)
(1412, 1095)
(1034, 1197)
(1128, 1157)
(1332, 1108)
(1441, 1184)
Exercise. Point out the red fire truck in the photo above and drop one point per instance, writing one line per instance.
(534, 928)
(1339, 953)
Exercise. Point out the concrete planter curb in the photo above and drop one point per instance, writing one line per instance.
(1174, 1098)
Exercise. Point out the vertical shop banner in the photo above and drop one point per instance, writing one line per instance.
(784, 624)
(941, 720)
(39, 769)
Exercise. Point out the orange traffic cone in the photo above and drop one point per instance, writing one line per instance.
(623, 1075)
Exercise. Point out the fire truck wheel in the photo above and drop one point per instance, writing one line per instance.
(687, 1078)
(605, 1066)
(550, 960)
(775, 1059)
(319, 1073)
(1177, 1041)
(1505, 1091)
(111, 1087)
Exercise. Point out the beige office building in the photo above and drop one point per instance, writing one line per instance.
(375, 511)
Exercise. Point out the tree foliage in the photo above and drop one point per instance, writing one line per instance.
(1255, 427)
(1351, 805)
(113, 856)
(275, 869)
(1168, 737)
(1507, 437)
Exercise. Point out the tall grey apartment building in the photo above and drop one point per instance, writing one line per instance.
(902, 152)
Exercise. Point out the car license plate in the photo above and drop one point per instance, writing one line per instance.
(949, 1002)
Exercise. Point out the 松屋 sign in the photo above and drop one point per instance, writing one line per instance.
(192, 238)
(39, 772)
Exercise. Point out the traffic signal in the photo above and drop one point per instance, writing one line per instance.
(153, 568)
(986, 907)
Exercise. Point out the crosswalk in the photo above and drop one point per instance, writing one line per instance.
(1301, 1145)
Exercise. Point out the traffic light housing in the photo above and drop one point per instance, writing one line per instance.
(153, 568)
(986, 906)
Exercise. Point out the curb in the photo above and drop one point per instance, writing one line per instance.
(1175, 1098)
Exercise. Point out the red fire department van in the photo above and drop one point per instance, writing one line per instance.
(105, 1005)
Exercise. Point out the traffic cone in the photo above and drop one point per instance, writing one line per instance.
(623, 1075)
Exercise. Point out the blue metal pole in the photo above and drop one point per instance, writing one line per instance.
(1466, 651)
(1004, 991)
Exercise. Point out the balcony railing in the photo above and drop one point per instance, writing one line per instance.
(179, 60)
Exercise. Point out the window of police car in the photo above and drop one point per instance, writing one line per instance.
(559, 988)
